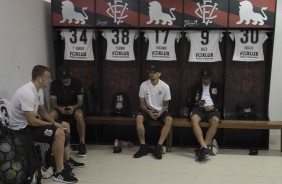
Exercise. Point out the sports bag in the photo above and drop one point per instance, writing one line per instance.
(120, 104)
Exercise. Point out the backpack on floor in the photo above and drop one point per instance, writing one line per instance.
(120, 104)
(18, 157)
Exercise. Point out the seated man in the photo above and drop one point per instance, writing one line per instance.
(24, 106)
(66, 99)
(154, 96)
(204, 103)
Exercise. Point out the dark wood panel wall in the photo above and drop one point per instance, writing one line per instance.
(240, 81)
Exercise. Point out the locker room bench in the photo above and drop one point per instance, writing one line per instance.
(184, 122)
(232, 124)
(123, 121)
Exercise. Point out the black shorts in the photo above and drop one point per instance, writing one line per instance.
(44, 134)
(148, 119)
(203, 114)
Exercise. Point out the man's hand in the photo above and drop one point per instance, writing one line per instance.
(58, 125)
(154, 114)
(200, 103)
(209, 107)
(68, 110)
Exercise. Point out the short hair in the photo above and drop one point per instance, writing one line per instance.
(38, 71)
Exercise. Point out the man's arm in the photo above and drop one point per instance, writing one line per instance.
(165, 107)
(54, 105)
(145, 109)
(44, 114)
(79, 103)
(33, 121)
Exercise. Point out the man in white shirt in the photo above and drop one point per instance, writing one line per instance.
(154, 96)
(24, 106)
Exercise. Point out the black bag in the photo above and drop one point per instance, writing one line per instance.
(19, 156)
(246, 110)
(120, 104)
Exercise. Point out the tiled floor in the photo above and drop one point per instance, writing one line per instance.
(229, 166)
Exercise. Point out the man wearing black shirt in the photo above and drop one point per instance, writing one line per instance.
(204, 103)
(66, 99)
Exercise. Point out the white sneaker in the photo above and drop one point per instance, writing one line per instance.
(214, 147)
(47, 173)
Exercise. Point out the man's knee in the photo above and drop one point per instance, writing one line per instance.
(78, 114)
(139, 118)
(214, 121)
(60, 134)
(168, 120)
(54, 114)
(195, 119)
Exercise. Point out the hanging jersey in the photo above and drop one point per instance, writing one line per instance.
(4, 107)
(120, 44)
(162, 44)
(78, 44)
(248, 45)
(204, 45)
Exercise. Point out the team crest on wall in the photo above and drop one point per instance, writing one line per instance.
(205, 13)
(117, 13)
(161, 13)
(252, 14)
(73, 13)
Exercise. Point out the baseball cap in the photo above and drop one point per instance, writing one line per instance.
(206, 72)
(64, 73)
(154, 68)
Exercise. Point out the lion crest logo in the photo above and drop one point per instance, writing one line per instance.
(156, 14)
(247, 14)
(70, 14)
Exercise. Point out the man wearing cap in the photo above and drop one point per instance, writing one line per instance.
(154, 96)
(66, 99)
(204, 103)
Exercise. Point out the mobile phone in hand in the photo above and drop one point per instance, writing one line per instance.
(67, 108)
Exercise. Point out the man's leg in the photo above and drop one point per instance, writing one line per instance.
(58, 149)
(214, 121)
(195, 119)
(140, 128)
(80, 124)
(165, 129)
(141, 135)
(164, 132)
(204, 151)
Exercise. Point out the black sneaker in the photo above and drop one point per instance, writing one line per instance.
(198, 154)
(74, 163)
(64, 177)
(141, 152)
(205, 152)
(158, 151)
(68, 168)
(81, 150)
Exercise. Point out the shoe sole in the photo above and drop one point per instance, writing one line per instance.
(139, 156)
(78, 166)
(62, 181)
(81, 155)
